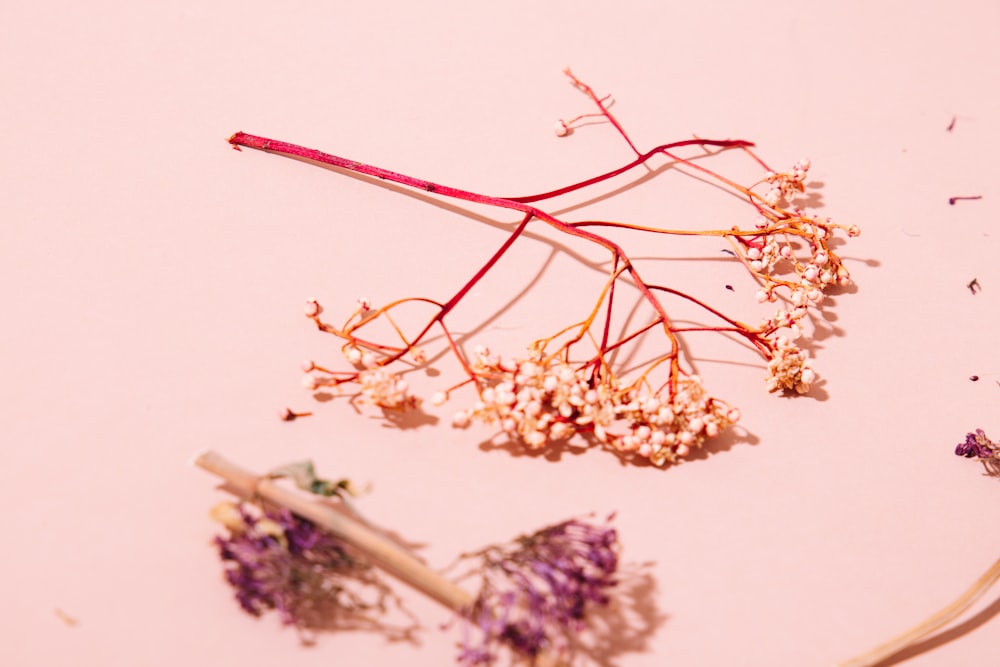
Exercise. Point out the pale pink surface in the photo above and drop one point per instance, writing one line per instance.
(154, 284)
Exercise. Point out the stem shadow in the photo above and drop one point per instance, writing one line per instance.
(942, 638)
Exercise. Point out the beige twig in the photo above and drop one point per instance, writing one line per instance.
(938, 620)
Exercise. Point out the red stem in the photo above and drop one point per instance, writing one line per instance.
(274, 146)
(645, 157)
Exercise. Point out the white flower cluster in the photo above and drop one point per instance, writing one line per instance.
(762, 259)
(789, 368)
(785, 319)
(785, 186)
(386, 390)
(541, 400)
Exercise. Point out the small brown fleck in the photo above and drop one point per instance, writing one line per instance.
(66, 618)
(974, 378)
(974, 286)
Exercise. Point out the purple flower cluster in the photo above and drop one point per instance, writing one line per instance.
(537, 590)
(980, 447)
(276, 560)
(976, 445)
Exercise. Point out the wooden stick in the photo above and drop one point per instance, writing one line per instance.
(381, 551)
(938, 620)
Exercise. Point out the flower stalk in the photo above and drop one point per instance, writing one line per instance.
(569, 383)
(933, 623)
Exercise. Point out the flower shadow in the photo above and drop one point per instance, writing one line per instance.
(627, 624)
(582, 443)
(401, 626)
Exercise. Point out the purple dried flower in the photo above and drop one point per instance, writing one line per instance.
(978, 446)
(275, 560)
(537, 590)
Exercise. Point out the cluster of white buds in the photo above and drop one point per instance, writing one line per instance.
(386, 390)
(789, 368)
(785, 319)
(762, 258)
(786, 185)
(540, 400)
(823, 269)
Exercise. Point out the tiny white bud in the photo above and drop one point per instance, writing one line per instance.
(535, 439)
(439, 398)
(560, 430)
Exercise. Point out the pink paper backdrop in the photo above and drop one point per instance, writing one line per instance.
(154, 281)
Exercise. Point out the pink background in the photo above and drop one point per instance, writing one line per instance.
(153, 283)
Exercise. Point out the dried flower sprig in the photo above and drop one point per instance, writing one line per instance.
(981, 448)
(536, 591)
(275, 560)
(569, 382)
(308, 560)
